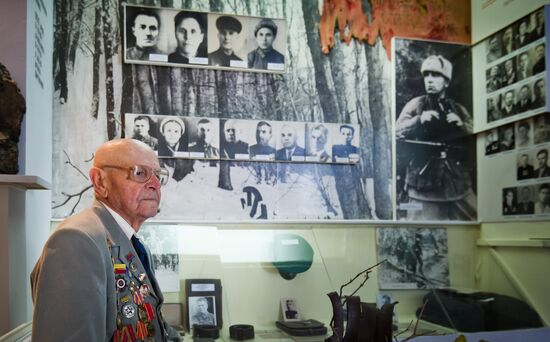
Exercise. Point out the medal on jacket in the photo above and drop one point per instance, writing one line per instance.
(119, 268)
(128, 310)
(120, 283)
(144, 290)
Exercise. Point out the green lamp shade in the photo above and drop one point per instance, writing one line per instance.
(292, 255)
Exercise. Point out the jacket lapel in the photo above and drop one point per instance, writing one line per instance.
(126, 251)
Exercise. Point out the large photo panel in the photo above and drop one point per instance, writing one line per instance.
(434, 145)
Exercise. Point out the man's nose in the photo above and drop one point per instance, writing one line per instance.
(154, 182)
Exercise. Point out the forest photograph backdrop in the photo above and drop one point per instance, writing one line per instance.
(350, 84)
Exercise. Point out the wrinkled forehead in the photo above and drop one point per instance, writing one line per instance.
(126, 155)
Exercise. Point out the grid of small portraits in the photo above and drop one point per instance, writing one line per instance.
(515, 70)
(165, 36)
(246, 140)
(519, 135)
(526, 200)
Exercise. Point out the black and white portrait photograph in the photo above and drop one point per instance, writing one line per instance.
(542, 202)
(191, 36)
(525, 168)
(509, 75)
(173, 137)
(142, 127)
(262, 147)
(492, 144)
(435, 147)
(524, 133)
(318, 142)
(539, 58)
(227, 37)
(165, 252)
(542, 168)
(541, 129)
(508, 38)
(266, 44)
(506, 137)
(509, 201)
(494, 104)
(202, 310)
(142, 34)
(232, 145)
(345, 143)
(526, 204)
(416, 258)
(524, 62)
(539, 93)
(290, 138)
(289, 308)
(204, 138)
(493, 46)
(494, 78)
(537, 24)
(96, 86)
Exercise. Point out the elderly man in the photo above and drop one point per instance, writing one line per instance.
(433, 127)
(142, 126)
(229, 30)
(290, 150)
(145, 28)
(232, 147)
(265, 33)
(94, 281)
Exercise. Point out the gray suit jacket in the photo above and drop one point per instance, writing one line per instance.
(74, 285)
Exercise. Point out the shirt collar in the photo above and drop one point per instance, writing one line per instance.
(126, 228)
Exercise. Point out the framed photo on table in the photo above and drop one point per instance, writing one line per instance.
(289, 308)
(204, 302)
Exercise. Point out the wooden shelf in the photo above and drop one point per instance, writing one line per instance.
(24, 182)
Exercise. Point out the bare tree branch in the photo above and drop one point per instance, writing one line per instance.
(78, 195)
(74, 166)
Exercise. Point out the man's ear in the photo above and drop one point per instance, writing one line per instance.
(98, 178)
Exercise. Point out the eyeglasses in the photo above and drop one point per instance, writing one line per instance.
(142, 173)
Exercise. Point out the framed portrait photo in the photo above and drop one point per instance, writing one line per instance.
(289, 308)
(204, 302)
